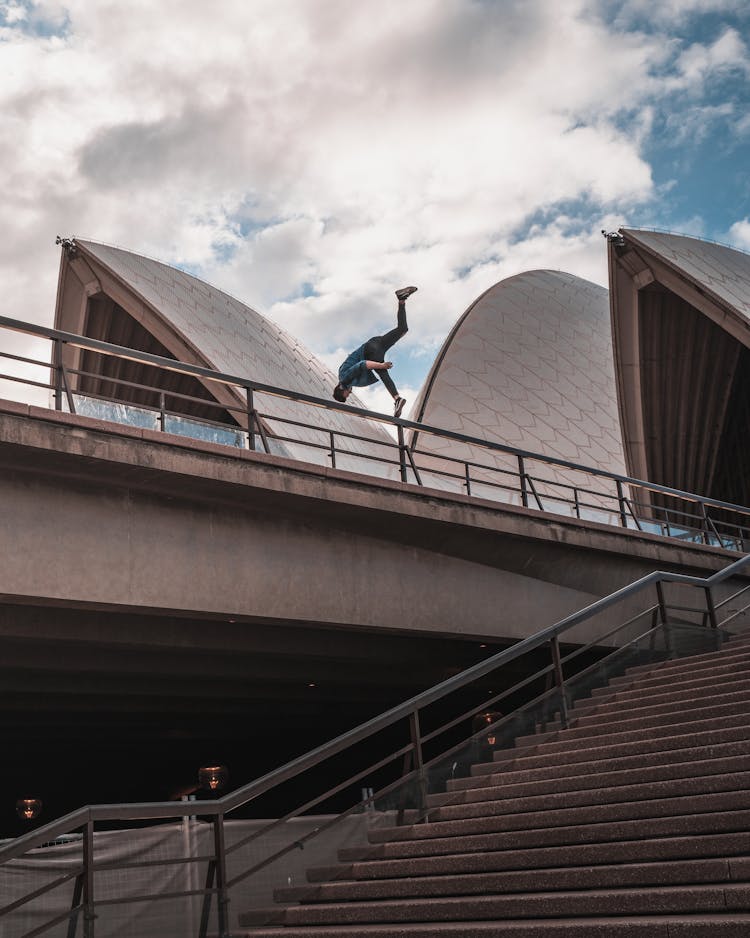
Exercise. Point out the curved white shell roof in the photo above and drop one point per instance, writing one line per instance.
(232, 338)
(529, 365)
(716, 268)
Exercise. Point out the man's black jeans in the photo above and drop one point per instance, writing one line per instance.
(378, 345)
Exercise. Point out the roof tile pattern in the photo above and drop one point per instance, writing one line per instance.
(530, 365)
(233, 338)
(721, 270)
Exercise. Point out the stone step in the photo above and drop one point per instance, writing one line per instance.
(569, 745)
(679, 716)
(658, 782)
(555, 753)
(512, 775)
(655, 900)
(689, 847)
(590, 713)
(635, 699)
(686, 663)
(589, 750)
(632, 743)
(720, 869)
(633, 822)
(482, 787)
(563, 816)
(653, 779)
(714, 822)
(728, 925)
(722, 664)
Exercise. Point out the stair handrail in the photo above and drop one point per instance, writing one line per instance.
(200, 371)
(246, 793)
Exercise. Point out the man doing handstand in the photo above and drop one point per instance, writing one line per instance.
(357, 370)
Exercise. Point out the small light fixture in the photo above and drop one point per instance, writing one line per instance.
(28, 808)
(486, 721)
(213, 777)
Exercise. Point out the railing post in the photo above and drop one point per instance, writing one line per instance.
(621, 503)
(559, 679)
(522, 480)
(222, 897)
(162, 412)
(89, 916)
(467, 474)
(706, 532)
(664, 619)
(74, 903)
(332, 439)
(418, 762)
(402, 453)
(206, 906)
(57, 368)
(250, 419)
(710, 606)
(576, 502)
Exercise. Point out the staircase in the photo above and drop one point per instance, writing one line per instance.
(633, 821)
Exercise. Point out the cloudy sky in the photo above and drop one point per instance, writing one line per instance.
(308, 156)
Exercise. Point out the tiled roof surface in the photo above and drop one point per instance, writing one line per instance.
(715, 267)
(233, 338)
(530, 365)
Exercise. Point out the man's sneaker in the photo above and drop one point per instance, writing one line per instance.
(405, 291)
(398, 406)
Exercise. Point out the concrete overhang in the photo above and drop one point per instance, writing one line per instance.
(137, 519)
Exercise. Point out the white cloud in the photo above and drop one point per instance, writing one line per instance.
(739, 234)
(669, 11)
(699, 61)
(309, 158)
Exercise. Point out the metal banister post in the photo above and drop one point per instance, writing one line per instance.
(206, 904)
(332, 441)
(57, 368)
(662, 603)
(74, 906)
(559, 679)
(162, 412)
(711, 607)
(250, 420)
(664, 619)
(706, 530)
(402, 453)
(89, 916)
(522, 480)
(222, 897)
(621, 503)
(418, 762)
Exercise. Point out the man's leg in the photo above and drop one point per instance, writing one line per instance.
(390, 338)
(378, 345)
(374, 351)
(388, 382)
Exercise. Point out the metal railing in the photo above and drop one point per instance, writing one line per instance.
(504, 473)
(646, 628)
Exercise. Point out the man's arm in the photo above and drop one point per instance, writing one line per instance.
(378, 366)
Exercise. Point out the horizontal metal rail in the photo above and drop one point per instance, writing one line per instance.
(692, 527)
(199, 371)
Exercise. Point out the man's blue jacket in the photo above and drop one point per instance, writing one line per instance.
(353, 372)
